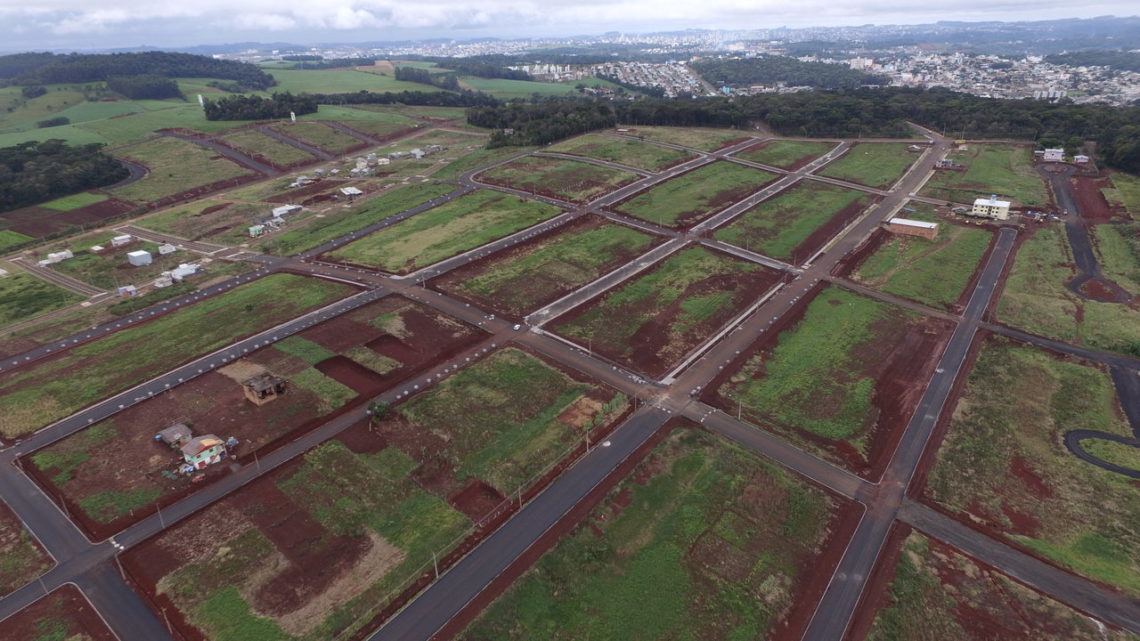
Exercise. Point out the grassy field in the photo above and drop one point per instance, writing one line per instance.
(777, 226)
(787, 153)
(228, 224)
(444, 231)
(508, 89)
(696, 195)
(23, 296)
(175, 166)
(692, 137)
(702, 541)
(934, 272)
(1118, 252)
(576, 182)
(875, 164)
(410, 111)
(1035, 298)
(58, 386)
(1003, 462)
(74, 201)
(110, 269)
(623, 151)
(1128, 191)
(477, 159)
(21, 558)
(1005, 170)
(383, 127)
(9, 238)
(339, 81)
(319, 135)
(254, 142)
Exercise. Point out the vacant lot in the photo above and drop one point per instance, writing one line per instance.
(175, 166)
(1003, 465)
(74, 201)
(111, 268)
(624, 151)
(211, 220)
(63, 615)
(1127, 192)
(937, 592)
(319, 135)
(527, 276)
(797, 221)
(934, 272)
(702, 541)
(476, 159)
(263, 147)
(9, 238)
(875, 164)
(1004, 170)
(576, 182)
(54, 387)
(651, 322)
(449, 229)
(694, 137)
(23, 296)
(1118, 251)
(786, 154)
(696, 195)
(21, 558)
(842, 381)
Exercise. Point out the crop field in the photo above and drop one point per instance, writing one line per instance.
(74, 201)
(1036, 300)
(874, 164)
(796, 222)
(527, 276)
(841, 381)
(695, 195)
(935, 272)
(1004, 170)
(623, 151)
(339, 363)
(937, 592)
(652, 321)
(692, 137)
(23, 296)
(21, 558)
(175, 166)
(1003, 465)
(62, 615)
(444, 231)
(318, 547)
(262, 146)
(54, 387)
(319, 135)
(215, 221)
(786, 154)
(701, 541)
(577, 182)
(9, 238)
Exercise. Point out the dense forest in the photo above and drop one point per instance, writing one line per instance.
(334, 63)
(144, 87)
(258, 108)
(1124, 60)
(462, 98)
(468, 67)
(770, 70)
(447, 81)
(36, 172)
(40, 69)
(542, 121)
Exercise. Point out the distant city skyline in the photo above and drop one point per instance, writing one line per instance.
(76, 25)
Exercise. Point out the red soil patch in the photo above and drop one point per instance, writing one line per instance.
(212, 208)
(38, 222)
(798, 163)
(65, 606)
(352, 375)
(341, 333)
(362, 438)
(295, 194)
(1030, 479)
(1093, 205)
(825, 232)
(476, 499)
(1096, 290)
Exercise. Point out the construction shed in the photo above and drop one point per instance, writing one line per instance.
(908, 227)
(263, 388)
(175, 435)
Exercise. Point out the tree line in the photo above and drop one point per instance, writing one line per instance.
(467, 67)
(145, 87)
(36, 172)
(770, 70)
(280, 105)
(41, 69)
(542, 121)
(334, 63)
(446, 81)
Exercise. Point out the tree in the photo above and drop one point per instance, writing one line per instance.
(378, 411)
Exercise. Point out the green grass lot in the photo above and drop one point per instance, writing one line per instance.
(1006, 170)
(58, 386)
(934, 272)
(1127, 188)
(444, 231)
(570, 180)
(696, 195)
(254, 142)
(702, 541)
(507, 89)
(74, 201)
(875, 164)
(227, 226)
(777, 226)
(9, 238)
(476, 159)
(319, 135)
(439, 113)
(321, 230)
(384, 124)
(175, 166)
(692, 137)
(110, 269)
(921, 605)
(23, 296)
(520, 281)
(655, 319)
(816, 379)
(1118, 252)
(339, 81)
(1035, 298)
(21, 558)
(1003, 462)
(622, 150)
(787, 153)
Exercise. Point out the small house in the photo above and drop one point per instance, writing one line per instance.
(256, 230)
(119, 241)
(383, 161)
(1081, 159)
(183, 270)
(351, 191)
(908, 227)
(97, 249)
(991, 208)
(175, 436)
(127, 290)
(1053, 155)
(285, 210)
(163, 281)
(417, 153)
(201, 451)
(59, 256)
(166, 248)
(139, 257)
(263, 388)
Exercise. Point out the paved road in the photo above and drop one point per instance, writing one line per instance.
(208, 249)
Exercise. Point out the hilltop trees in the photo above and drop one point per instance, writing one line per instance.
(35, 172)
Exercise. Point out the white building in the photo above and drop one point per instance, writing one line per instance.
(285, 210)
(119, 241)
(991, 208)
(1053, 155)
(256, 230)
(128, 290)
(1081, 159)
(163, 281)
(165, 249)
(57, 257)
(351, 191)
(139, 258)
(184, 270)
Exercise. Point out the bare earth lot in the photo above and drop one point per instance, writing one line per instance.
(21, 557)
(64, 614)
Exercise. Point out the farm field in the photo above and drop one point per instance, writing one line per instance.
(56, 386)
(577, 182)
(795, 223)
(786, 154)
(21, 558)
(319, 546)
(320, 135)
(23, 296)
(840, 381)
(262, 147)
(525, 277)
(1004, 170)
(444, 231)
(63, 615)
(9, 238)
(74, 201)
(216, 221)
(1003, 466)
(934, 272)
(337, 364)
(1036, 300)
(937, 592)
(695, 195)
(175, 166)
(652, 321)
(874, 164)
(701, 541)
(623, 151)
(692, 137)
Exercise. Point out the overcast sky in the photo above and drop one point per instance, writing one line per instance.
(85, 24)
